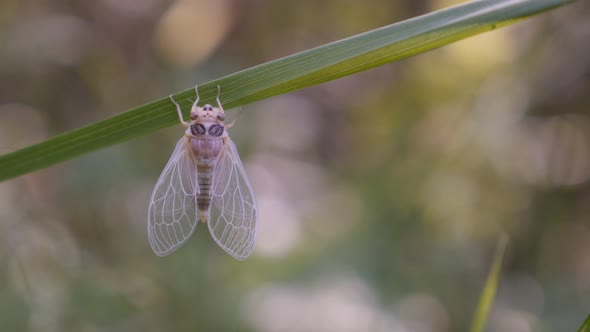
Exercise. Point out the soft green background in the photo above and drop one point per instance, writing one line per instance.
(382, 195)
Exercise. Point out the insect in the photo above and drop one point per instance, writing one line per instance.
(203, 180)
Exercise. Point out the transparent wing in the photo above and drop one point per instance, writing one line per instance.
(232, 220)
(172, 215)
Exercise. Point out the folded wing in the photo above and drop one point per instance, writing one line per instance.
(233, 210)
(172, 215)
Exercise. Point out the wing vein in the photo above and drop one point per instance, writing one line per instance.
(172, 204)
(233, 210)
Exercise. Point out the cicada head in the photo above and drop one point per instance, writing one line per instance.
(207, 114)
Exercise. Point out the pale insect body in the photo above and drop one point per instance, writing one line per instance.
(203, 180)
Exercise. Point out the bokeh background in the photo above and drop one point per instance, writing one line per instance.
(381, 195)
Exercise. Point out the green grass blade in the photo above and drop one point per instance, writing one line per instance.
(585, 326)
(304, 69)
(488, 294)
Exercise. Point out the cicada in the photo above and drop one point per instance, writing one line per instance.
(203, 180)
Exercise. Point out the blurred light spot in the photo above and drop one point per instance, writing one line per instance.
(521, 292)
(32, 244)
(447, 70)
(130, 200)
(292, 194)
(10, 214)
(440, 4)
(20, 126)
(291, 121)
(192, 29)
(335, 212)
(553, 151)
(502, 320)
(58, 39)
(137, 200)
(339, 303)
(452, 197)
(287, 179)
(292, 129)
(41, 254)
(279, 228)
(498, 110)
(136, 8)
(439, 129)
(40, 260)
(549, 150)
(483, 53)
(134, 279)
(423, 313)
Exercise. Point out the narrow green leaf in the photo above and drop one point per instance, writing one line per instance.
(304, 69)
(585, 326)
(488, 294)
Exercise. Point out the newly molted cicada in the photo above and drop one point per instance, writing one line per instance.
(203, 180)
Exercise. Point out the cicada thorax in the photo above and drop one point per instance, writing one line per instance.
(206, 141)
(207, 130)
(206, 144)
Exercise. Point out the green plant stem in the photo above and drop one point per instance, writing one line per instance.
(304, 69)
(489, 291)
(585, 326)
